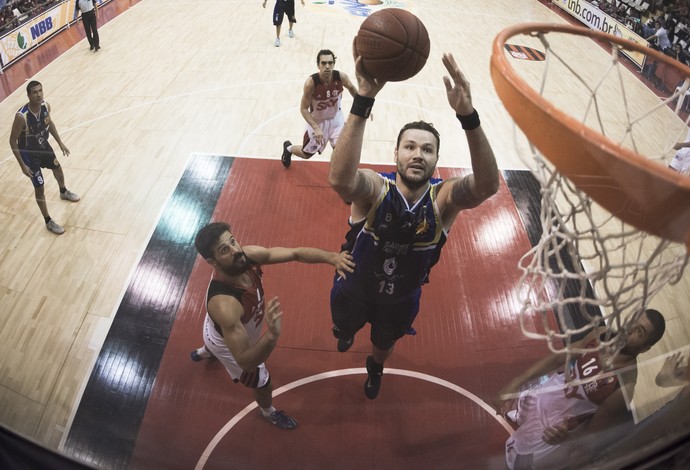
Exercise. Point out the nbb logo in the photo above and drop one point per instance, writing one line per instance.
(41, 27)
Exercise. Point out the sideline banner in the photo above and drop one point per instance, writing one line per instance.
(594, 18)
(29, 35)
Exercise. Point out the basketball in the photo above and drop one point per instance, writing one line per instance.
(394, 44)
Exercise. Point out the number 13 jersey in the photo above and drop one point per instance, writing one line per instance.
(395, 246)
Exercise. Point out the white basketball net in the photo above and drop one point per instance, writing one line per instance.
(587, 263)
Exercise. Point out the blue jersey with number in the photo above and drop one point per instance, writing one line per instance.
(395, 246)
(35, 134)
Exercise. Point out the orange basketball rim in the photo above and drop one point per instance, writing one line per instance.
(640, 192)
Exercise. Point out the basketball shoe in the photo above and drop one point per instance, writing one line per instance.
(373, 383)
(286, 157)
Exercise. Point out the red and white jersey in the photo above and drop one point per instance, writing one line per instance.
(325, 101)
(555, 401)
(252, 300)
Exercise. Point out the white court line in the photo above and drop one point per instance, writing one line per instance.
(340, 373)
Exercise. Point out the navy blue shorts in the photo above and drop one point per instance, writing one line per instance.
(284, 8)
(389, 322)
(37, 159)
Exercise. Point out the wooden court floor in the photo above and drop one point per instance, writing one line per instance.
(174, 80)
(435, 407)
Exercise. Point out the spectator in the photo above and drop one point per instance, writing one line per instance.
(621, 12)
(662, 44)
(682, 10)
(647, 29)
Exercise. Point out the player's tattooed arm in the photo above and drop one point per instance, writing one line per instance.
(365, 186)
(463, 195)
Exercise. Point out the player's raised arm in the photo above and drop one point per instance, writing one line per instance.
(352, 184)
(342, 261)
(471, 190)
(227, 312)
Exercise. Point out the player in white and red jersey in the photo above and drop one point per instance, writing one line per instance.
(236, 309)
(586, 397)
(320, 107)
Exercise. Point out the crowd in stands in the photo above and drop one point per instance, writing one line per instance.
(665, 25)
(15, 12)
(655, 20)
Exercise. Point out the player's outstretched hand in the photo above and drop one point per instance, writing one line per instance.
(458, 90)
(318, 136)
(65, 150)
(502, 407)
(673, 372)
(343, 263)
(27, 171)
(554, 435)
(274, 317)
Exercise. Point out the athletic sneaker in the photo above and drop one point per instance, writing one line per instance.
(54, 227)
(280, 419)
(69, 196)
(291, 34)
(345, 343)
(277, 43)
(286, 158)
(201, 354)
(373, 383)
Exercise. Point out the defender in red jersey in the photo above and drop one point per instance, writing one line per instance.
(237, 309)
(320, 107)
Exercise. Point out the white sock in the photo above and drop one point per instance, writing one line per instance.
(203, 352)
(289, 148)
(267, 411)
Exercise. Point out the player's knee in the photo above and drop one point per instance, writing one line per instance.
(384, 342)
(344, 332)
(257, 378)
(266, 388)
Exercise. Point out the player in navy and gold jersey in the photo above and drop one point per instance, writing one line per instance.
(29, 142)
(320, 107)
(236, 309)
(587, 397)
(399, 221)
(281, 9)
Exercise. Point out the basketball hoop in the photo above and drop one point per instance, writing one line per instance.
(615, 219)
